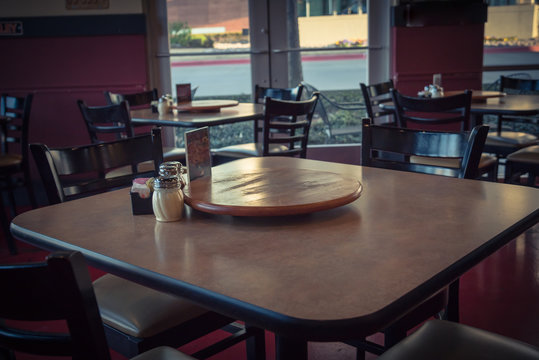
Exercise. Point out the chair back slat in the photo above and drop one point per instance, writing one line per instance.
(392, 147)
(135, 100)
(262, 92)
(294, 131)
(109, 119)
(58, 289)
(433, 111)
(16, 123)
(519, 85)
(78, 171)
(374, 95)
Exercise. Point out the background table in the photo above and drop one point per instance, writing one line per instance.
(332, 275)
(241, 112)
(509, 105)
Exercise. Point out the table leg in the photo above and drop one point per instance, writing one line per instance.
(290, 349)
(453, 302)
(476, 119)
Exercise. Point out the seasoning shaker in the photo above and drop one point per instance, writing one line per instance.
(167, 199)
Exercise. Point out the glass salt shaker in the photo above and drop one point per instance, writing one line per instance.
(167, 199)
(162, 106)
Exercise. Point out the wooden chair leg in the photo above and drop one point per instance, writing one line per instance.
(6, 354)
(256, 343)
(5, 227)
(393, 337)
(30, 189)
(360, 353)
(453, 302)
(11, 196)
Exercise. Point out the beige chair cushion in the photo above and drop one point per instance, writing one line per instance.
(163, 353)
(10, 160)
(246, 150)
(146, 166)
(510, 139)
(485, 162)
(171, 153)
(438, 339)
(138, 310)
(528, 155)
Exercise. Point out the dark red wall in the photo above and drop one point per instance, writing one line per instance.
(454, 51)
(60, 70)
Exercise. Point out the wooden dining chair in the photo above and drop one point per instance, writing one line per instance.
(374, 95)
(445, 340)
(262, 92)
(14, 160)
(136, 318)
(377, 142)
(503, 142)
(238, 151)
(14, 157)
(521, 162)
(58, 289)
(452, 112)
(285, 130)
(144, 99)
(464, 147)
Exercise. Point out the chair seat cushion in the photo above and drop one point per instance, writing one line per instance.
(246, 150)
(163, 353)
(10, 160)
(511, 139)
(529, 155)
(171, 153)
(445, 340)
(138, 310)
(486, 161)
(143, 167)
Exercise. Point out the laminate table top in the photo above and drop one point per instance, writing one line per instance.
(515, 105)
(227, 115)
(331, 275)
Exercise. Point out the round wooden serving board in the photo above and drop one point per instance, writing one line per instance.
(205, 105)
(270, 192)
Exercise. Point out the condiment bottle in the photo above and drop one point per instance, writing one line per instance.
(162, 106)
(167, 199)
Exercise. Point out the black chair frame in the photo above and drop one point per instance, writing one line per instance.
(135, 99)
(289, 132)
(374, 95)
(59, 289)
(260, 95)
(54, 165)
(109, 119)
(406, 142)
(14, 133)
(456, 109)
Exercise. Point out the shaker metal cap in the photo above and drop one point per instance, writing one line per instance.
(162, 182)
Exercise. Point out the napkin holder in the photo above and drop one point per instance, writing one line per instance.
(141, 206)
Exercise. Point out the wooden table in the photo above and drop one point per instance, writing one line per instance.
(509, 105)
(241, 112)
(332, 275)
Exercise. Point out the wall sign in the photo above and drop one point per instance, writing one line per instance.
(10, 28)
(86, 4)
